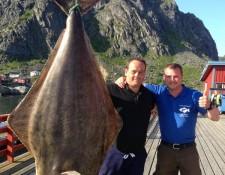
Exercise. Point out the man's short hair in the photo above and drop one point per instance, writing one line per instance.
(175, 66)
(137, 59)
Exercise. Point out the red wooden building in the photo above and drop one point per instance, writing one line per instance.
(21, 80)
(214, 77)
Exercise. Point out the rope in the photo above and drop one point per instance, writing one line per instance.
(76, 6)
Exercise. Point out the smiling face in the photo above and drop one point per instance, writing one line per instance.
(173, 78)
(135, 74)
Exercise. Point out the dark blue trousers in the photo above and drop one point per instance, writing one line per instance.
(118, 163)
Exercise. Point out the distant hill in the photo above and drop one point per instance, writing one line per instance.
(222, 58)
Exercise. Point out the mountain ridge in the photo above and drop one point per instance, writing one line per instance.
(117, 28)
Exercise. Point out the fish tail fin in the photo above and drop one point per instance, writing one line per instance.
(85, 5)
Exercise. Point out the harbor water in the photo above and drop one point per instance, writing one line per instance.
(8, 103)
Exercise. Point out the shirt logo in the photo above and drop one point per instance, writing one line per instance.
(184, 110)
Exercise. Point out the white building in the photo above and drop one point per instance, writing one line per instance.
(14, 74)
(34, 73)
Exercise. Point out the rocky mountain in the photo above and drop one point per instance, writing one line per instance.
(30, 29)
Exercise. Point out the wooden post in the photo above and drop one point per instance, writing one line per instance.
(10, 148)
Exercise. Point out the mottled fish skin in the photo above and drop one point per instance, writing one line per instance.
(67, 119)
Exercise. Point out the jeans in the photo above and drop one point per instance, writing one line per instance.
(118, 163)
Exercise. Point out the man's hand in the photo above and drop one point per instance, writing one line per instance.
(212, 114)
(154, 111)
(121, 82)
(204, 101)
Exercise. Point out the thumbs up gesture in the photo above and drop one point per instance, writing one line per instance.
(204, 101)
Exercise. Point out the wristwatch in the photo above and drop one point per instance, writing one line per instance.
(210, 107)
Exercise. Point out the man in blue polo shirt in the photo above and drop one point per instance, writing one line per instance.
(178, 107)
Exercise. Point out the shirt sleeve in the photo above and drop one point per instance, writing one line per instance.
(110, 87)
(152, 88)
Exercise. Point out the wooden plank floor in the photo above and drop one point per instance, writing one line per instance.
(23, 164)
(210, 143)
(210, 139)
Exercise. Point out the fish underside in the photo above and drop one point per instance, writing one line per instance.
(67, 120)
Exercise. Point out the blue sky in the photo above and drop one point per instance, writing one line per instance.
(212, 14)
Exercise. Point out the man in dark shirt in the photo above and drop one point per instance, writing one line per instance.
(134, 104)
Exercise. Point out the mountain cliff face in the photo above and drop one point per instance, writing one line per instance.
(30, 29)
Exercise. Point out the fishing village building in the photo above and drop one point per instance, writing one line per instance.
(213, 77)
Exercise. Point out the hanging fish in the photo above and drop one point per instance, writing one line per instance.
(67, 120)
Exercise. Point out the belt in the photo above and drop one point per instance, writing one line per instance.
(178, 146)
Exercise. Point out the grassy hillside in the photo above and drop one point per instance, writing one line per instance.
(192, 67)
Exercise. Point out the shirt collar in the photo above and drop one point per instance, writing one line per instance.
(140, 90)
(183, 92)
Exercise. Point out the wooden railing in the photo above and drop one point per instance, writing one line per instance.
(8, 141)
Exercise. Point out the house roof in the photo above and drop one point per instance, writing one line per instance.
(14, 72)
(209, 66)
(22, 77)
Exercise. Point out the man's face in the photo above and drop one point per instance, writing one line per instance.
(173, 78)
(135, 73)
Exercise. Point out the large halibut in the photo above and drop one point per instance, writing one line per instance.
(67, 119)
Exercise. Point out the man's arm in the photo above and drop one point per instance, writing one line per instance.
(213, 114)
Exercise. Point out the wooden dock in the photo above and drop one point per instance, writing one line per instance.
(210, 144)
(210, 140)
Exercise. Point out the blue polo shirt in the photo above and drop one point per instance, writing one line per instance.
(177, 115)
